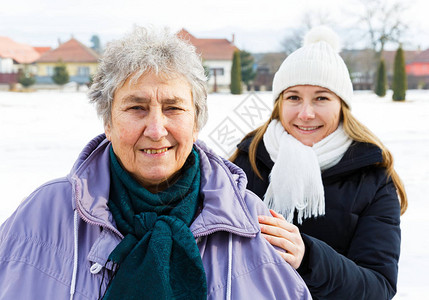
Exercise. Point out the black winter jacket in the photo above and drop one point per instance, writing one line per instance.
(352, 251)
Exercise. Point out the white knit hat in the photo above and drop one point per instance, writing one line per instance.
(317, 62)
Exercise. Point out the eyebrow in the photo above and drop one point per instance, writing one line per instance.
(290, 91)
(316, 92)
(174, 100)
(137, 99)
(324, 91)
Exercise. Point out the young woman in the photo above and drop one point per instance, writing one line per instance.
(336, 199)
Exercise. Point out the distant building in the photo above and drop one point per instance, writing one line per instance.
(389, 57)
(42, 50)
(418, 71)
(267, 65)
(362, 66)
(81, 62)
(217, 56)
(15, 58)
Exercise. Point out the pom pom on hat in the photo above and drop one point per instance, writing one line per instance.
(317, 63)
(323, 33)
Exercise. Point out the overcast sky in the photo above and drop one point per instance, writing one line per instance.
(258, 26)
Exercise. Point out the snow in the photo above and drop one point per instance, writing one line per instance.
(42, 133)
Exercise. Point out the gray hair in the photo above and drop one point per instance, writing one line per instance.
(148, 50)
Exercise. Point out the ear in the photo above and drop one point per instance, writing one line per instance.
(108, 130)
(195, 135)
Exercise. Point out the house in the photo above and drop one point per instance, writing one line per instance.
(362, 65)
(267, 65)
(418, 71)
(42, 50)
(81, 62)
(14, 58)
(389, 57)
(217, 57)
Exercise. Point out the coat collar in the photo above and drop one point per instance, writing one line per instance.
(261, 152)
(359, 155)
(222, 189)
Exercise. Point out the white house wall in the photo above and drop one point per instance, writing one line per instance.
(221, 80)
(6, 65)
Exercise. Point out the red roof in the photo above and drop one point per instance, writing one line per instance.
(70, 51)
(21, 53)
(210, 49)
(422, 57)
(42, 50)
(389, 56)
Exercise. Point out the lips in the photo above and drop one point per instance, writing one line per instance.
(155, 151)
(307, 128)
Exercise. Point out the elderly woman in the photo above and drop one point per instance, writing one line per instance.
(146, 212)
(329, 176)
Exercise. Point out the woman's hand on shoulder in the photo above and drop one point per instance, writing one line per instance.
(285, 235)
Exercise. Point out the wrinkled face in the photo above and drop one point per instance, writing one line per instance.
(153, 128)
(309, 113)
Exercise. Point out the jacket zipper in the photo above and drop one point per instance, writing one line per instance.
(87, 220)
(211, 231)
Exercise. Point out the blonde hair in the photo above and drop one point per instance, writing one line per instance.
(354, 129)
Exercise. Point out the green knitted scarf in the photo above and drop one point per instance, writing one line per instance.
(158, 257)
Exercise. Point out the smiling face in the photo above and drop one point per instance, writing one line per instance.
(153, 128)
(309, 113)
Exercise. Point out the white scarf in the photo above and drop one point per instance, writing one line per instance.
(296, 180)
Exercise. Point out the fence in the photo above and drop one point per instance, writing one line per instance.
(8, 78)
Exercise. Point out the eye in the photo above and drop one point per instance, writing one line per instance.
(173, 108)
(321, 98)
(137, 107)
(292, 97)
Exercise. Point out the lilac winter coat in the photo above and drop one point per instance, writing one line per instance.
(56, 243)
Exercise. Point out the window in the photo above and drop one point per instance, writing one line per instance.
(83, 71)
(49, 70)
(219, 71)
(263, 70)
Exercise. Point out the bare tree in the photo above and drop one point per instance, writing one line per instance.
(293, 39)
(383, 22)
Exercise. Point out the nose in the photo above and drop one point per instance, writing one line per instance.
(306, 112)
(155, 127)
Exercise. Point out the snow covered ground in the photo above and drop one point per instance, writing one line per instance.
(42, 133)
